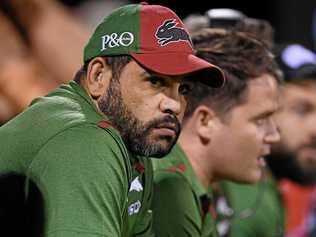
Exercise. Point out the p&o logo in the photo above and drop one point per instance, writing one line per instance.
(116, 40)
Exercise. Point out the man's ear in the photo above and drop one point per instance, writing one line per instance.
(98, 78)
(205, 120)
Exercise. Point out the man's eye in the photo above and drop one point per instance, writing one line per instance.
(260, 121)
(302, 110)
(264, 119)
(184, 89)
(156, 81)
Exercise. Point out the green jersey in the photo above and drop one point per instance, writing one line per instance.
(257, 210)
(90, 184)
(181, 205)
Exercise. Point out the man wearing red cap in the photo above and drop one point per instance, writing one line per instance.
(84, 147)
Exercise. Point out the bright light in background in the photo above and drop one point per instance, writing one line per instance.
(296, 55)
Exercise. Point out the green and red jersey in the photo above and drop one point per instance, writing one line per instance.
(181, 205)
(90, 183)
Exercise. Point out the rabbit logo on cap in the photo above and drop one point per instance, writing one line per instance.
(168, 33)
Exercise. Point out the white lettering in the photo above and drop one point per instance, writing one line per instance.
(126, 39)
(114, 40)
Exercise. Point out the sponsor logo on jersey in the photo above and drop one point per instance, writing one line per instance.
(136, 185)
(134, 208)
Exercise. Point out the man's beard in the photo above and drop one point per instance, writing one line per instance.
(284, 164)
(135, 133)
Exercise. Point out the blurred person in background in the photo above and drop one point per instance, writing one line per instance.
(55, 37)
(41, 45)
(266, 204)
(22, 77)
(280, 204)
(240, 208)
(225, 134)
(293, 161)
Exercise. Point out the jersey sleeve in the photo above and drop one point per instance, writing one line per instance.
(175, 212)
(83, 179)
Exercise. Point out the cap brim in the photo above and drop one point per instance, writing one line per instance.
(173, 64)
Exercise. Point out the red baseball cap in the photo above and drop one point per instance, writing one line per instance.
(155, 37)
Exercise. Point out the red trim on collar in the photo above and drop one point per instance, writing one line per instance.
(104, 124)
(178, 168)
(140, 167)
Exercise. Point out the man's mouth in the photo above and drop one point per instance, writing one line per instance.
(166, 129)
(167, 125)
(261, 161)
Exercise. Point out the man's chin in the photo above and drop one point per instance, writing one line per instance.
(162, 148)
(286, 165)
(162, 152)
(252, 178)
(159, 155)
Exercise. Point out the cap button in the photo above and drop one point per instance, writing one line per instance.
(144, 3)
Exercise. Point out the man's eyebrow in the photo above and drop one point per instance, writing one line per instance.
(266, 113)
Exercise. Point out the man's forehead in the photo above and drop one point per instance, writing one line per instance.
(265, 80)
(262, 96)
(308, 85)
(294, 92)
(265, 86)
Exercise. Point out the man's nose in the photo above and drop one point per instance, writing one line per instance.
(311, 125)
(273, 133)
(171, 102)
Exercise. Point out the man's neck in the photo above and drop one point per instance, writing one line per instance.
(197, 159)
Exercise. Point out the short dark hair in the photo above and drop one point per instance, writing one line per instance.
(117, 63)
(242, 58)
